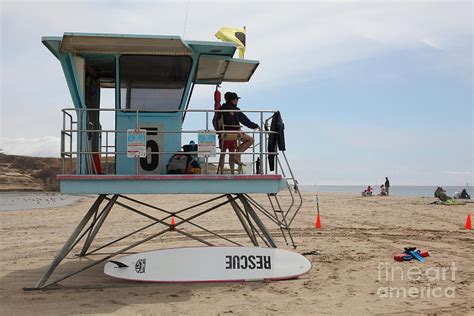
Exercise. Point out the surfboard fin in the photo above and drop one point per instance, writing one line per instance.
(119, 264)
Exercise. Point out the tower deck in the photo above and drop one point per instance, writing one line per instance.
(170, 184)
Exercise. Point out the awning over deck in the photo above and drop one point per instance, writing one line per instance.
(170, 184)
(123, 44)
(215, 64)
(218, 69)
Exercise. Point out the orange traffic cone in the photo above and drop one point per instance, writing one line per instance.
(468, 224)
(318, 222)
(173, 223)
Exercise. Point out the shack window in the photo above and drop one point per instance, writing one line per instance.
(153, 82)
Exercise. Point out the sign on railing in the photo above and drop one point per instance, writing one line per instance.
(136, 143)
(206, 143)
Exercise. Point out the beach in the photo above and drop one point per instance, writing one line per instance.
(353, 270)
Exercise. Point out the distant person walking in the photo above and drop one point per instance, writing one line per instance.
(387, 186)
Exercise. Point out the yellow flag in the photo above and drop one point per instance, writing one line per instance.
(234, 35)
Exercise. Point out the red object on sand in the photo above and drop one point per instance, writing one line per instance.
(173, 223)
(400, 257)
(468, 224)
(318, 221)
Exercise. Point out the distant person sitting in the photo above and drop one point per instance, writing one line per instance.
(382, 190)
(457, 195)
(232, 121)
(441, 194)
(368, 191)
(464, 195)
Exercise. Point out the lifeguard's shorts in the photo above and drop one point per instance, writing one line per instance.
(229, 145)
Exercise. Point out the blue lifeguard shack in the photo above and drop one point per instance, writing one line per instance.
(152, 79)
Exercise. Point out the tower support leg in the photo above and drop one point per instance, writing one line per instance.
(93, 221)
(67, 246)
(257, 220)
(98, 225)
(238, 212)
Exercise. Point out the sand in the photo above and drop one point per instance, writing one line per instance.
(352, 262)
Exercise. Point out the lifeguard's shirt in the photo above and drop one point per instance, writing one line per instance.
(235, 118)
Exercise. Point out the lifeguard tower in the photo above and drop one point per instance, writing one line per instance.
(152, 79)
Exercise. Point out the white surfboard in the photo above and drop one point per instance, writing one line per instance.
(209, 264)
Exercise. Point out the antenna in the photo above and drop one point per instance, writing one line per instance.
(186, 18)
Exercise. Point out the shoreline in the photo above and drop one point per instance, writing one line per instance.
(28, 200)
(395, 190)
(16, 200)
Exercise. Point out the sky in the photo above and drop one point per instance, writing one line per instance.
(367, 89)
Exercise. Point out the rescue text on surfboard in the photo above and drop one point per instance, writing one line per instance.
(248, 262)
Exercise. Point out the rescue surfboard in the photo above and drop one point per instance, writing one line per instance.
(209, 264)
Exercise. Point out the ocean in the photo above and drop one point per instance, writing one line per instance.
(400, 190)
(10, 201)
(13, 201)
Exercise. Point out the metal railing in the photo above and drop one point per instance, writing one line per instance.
(83, 144)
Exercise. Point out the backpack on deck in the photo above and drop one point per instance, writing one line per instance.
(179, 164)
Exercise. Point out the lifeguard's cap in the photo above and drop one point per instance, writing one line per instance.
(229, 96)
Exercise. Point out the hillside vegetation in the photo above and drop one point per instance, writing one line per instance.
(23, 173)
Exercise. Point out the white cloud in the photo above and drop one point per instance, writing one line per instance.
(47, 146)
(293, 40)
(290, 39)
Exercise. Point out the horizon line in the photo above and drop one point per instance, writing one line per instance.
(411, 185)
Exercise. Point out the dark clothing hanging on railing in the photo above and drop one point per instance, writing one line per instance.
(276, 139)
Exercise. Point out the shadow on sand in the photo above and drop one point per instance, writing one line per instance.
(93, 292)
